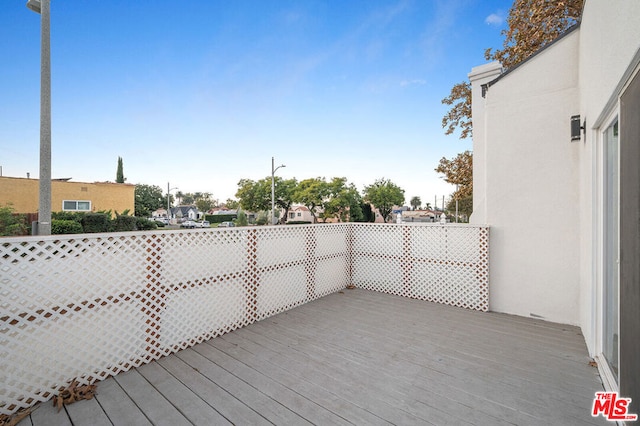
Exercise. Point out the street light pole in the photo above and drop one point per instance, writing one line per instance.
(273, 190)
(168, 205)
(44, 208)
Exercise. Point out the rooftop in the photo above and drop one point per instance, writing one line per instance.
(358, 357)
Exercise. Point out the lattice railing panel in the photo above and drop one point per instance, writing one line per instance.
(446, 264)
(195, 313)
(377, 274)
(88, 306)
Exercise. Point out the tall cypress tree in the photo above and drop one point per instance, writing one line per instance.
(119, 173)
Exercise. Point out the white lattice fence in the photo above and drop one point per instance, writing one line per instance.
(89, 306)
(445, 264)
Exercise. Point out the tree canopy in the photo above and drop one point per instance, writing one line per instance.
(120, 172)
(148, 198)
(384, 194)
(311, 193)
(343, 201)
(531, 25)
(334, 199)
(255, 196)
(415, 202)
(12, 224)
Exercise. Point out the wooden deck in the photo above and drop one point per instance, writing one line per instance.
(358, 357)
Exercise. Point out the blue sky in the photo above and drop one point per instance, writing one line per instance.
(202, 94)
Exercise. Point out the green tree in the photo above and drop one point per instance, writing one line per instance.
(231, 204)
(384, 194)
(205, 202)
(415, 202)
(188, 199)
(12, 224)
(531, 25)
(241, 219)
(148, 198)
(284, 191)
(342, 201)
(312, 193)
(368, 214)
(120, 172)
(256, 196)
(179, 196)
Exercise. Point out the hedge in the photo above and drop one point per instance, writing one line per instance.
(64, 226)
(218, 218)
(95, 222)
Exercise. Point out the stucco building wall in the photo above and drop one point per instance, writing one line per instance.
(541, 193)
(22, 195)
(530, 190)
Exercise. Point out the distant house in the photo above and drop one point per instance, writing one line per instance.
(562, 130)
(420, 216)
(299, 214)
(184, 212)
(161, 212)
(23, 195)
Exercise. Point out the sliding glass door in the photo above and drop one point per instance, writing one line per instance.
(611, 247)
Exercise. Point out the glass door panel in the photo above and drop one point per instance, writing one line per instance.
(611, 247)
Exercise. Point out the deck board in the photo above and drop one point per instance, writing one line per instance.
(359, 357)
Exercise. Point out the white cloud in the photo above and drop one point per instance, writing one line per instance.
(495, 19)
(415, 82)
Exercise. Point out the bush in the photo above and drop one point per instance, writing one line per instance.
(125, 223)
(12, 224)
(144, 224)
(61, 226)
(242, 219)
(262, 218)
(95, 222)
(159, 224)
(218, 218)
(77, 216)
(298, 222)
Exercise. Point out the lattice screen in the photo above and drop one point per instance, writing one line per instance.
(445, 264)
(88, 306)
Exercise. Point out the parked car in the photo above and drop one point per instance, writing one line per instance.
(163, 220)
(203, 224)
(226, 225)
(188, 224)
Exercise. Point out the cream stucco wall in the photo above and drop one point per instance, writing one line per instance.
(531, 186)
(539, 192)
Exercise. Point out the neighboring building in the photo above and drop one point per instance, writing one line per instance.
(184, 213)
(409, 216)
(299, 214)
(23, 195)
(161, 212)
(579, 262)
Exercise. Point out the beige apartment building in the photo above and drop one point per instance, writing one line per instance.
(23, 195)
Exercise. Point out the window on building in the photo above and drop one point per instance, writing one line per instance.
(299, 214)
(79, 206)
(292, 215)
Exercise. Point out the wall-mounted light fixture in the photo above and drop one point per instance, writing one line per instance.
(576, 127)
